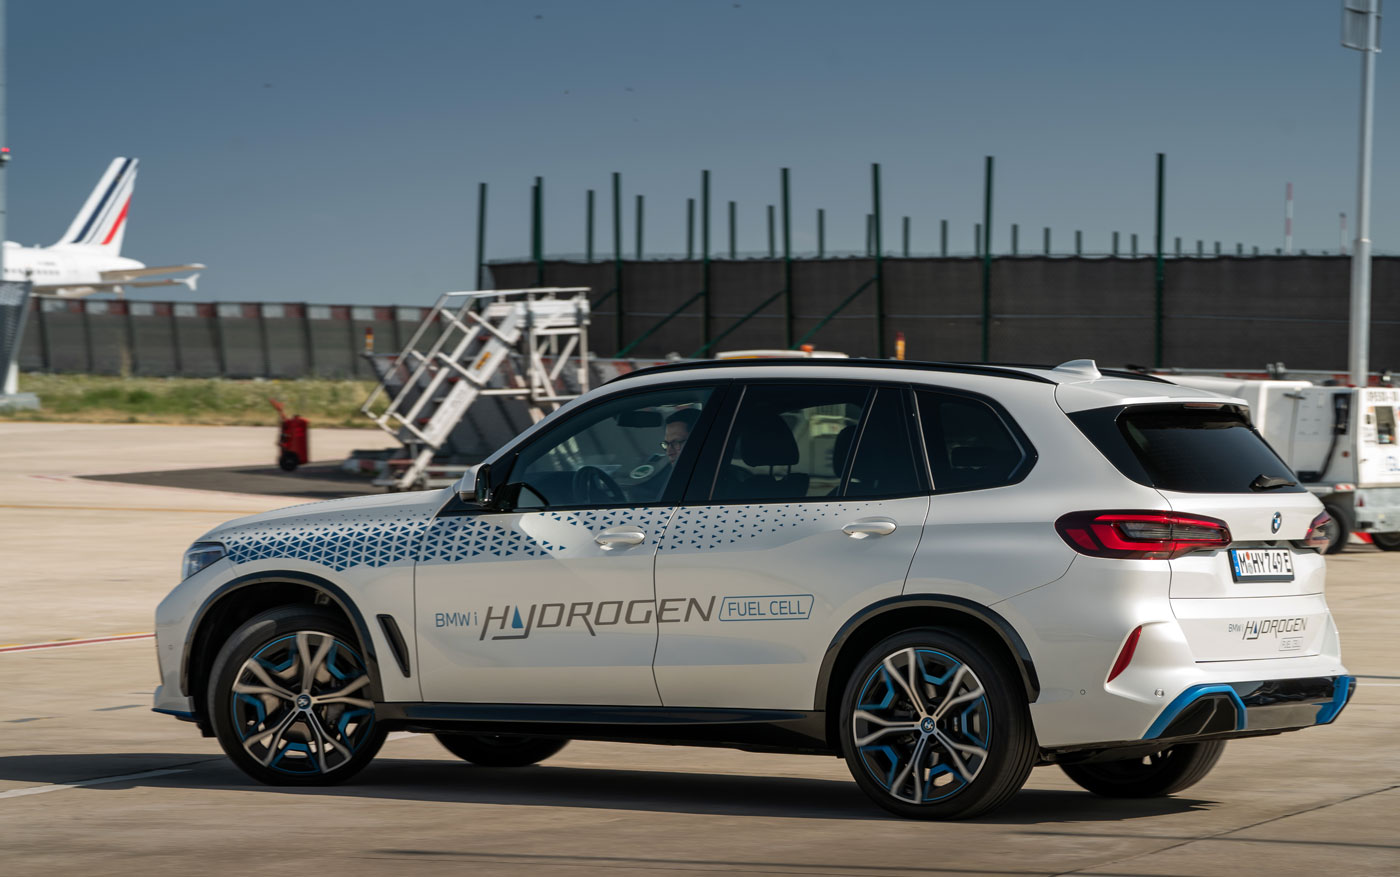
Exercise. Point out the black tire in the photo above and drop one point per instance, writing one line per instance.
(1386, 541)
(318, 743)
(952, 781)
(1338, 531)
(1161, 773)
(500, 750)
(288, 461)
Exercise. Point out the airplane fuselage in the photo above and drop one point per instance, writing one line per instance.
(62, 270)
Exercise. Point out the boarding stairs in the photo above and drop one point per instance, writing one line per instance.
(526, 344)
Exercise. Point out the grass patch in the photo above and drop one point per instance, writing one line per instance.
(214, 402)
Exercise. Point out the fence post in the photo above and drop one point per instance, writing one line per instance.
(1200, 249)
(879, 262)
(977, 239)
(689, 229)
(1135, 245)
(1078, 242)
(772, 240)
(588, 225)
(1015, 239)
(787, 257)
(733, 235)
(617, 252)
(537, 230)
(1178, 248)
(308, 338)
(262, 341)
(481, 229)
(87, 336)
(132, 363)
(216, 331)
(705, 255)
(1047, 240)
(1217, 248)
(943, 238)
(1160, 275)
(987, 264)
(641, 206)
(906, 237)
(1115, 245)
(821, 233)
(177, 358)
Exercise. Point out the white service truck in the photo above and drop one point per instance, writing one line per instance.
(1341, 441)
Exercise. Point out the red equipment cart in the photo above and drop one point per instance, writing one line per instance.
(293, 442)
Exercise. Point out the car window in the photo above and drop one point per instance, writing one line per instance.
(623, 451)
(969, 444)
(884, 464)
(1188, 449)
(786, 442)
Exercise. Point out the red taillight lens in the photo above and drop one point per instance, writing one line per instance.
(1317, 538)
(1141, 535)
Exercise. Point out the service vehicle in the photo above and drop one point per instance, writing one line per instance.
(945, 574)
(1341, 441)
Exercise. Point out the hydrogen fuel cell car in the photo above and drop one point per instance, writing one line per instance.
(945, 574)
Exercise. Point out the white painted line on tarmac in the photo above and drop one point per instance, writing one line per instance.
(92, 641)
(58, 787)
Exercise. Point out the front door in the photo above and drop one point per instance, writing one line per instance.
(815, 512)
(549, 598)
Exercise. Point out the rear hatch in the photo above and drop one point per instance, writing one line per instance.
(1262, 595)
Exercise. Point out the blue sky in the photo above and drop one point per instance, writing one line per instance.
(331, 151)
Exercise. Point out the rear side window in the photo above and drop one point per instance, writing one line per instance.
(1191, 450)
(884, 465)
(970, 445)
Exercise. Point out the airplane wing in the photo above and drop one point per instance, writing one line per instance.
(133, 273)
(86, 289)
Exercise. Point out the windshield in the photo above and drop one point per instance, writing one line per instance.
(1187, 449)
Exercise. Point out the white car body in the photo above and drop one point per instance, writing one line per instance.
(729, 623)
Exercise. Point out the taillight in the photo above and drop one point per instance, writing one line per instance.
(1317, 538)
(1141, 535)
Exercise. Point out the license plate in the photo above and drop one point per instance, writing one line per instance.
(1261, 564)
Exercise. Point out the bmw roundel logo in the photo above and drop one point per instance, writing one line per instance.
(1278, 521)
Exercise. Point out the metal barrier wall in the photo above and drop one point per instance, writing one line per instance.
(189, 339)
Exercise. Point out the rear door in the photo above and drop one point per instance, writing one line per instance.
(813, 508)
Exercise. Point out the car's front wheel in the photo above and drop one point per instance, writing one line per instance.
(1151, 776)
(289, 699)
(1386, 541)
(933, 727)
(500, 750)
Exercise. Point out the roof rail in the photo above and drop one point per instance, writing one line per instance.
(1130, 373)
(990, 370)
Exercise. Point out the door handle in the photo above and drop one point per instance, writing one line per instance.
(867, 527)
(620, 536)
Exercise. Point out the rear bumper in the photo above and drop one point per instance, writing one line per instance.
(1215, 710)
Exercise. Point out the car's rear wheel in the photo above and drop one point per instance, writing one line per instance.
(1386, 541)
(289, 699)
(933, 727)
(1151, 776)
(500, 750)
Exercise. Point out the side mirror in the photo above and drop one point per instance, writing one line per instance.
(480, 493)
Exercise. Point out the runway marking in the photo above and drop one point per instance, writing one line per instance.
(107, 508)
(56, 644)
(58, 787)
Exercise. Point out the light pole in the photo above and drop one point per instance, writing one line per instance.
(1361, 30)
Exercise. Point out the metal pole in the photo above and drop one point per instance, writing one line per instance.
(1217, 248)
(821, 233)
(588, 225)
(869, 235)
(1288, 216)
(1047, 240)
(1360, 340)
(705, 255)
(879, 263)
(689, 229)
(977, 239)
(1200, 249)
(733, 235)
(641, 206)
(1135, 245)
(943, 238)
(1115, 244)
(1178, 248)
(1015, 239)
(537, 220)
(1078, 242)
(787, 257)
(480, 233)
(1160, 274)
(906, 237)
(772, 240)
(617, 253)
(987, 263)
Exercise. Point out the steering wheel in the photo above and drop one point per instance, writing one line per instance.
(591, 484)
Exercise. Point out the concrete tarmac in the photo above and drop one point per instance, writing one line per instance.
(92, 782)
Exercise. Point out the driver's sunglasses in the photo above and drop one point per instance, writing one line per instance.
(673, 443)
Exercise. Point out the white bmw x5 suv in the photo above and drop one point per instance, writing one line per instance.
(946, 574)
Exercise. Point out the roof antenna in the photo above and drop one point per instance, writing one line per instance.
(1084, 368)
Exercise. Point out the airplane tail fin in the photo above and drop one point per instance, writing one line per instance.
(102, 221)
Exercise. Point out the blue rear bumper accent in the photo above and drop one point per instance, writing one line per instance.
(179, 714)
(1190, 696)
(1327, 711)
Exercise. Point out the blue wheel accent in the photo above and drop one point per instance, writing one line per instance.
(916, 748)
(300, 731)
